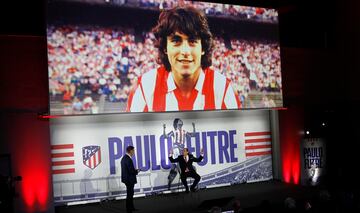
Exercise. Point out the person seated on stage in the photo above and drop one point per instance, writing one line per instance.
(187, 170)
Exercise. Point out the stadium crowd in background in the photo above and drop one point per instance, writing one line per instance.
(212, 9)
(85, 63)
(244, 12)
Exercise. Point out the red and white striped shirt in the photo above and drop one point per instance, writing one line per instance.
(179, 136)
(156, 91)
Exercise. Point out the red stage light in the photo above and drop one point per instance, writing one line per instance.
(30, 142)
(291, 124)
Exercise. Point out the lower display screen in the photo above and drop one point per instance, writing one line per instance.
(87, 150)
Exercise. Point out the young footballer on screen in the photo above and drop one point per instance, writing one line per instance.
(184, 81)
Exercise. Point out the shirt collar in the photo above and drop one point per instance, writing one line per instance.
(199, 84)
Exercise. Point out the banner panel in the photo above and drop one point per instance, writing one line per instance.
(313, 155)
(87, 150)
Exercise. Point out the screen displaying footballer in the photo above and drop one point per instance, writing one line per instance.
(155, 56)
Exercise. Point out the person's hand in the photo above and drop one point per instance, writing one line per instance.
(202, 152)
(171, 152)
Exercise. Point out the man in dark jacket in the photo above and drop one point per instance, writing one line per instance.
(187, 170)
(128, 177)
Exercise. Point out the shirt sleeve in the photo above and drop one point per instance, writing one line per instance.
(231, 99)
(136, 101)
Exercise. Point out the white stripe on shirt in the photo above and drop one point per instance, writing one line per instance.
(230, 98)
(139, 101)
(219, 88)
(149, 87)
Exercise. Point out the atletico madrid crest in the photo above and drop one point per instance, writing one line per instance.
(91, 156)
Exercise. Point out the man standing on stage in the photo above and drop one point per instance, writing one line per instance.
(128, 177)
(187, 170)
(184, 80)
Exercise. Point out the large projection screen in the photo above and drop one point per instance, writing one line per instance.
(120, 56)
(86, 151)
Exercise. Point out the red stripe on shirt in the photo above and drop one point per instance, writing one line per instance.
(208, 89)
(238, 102)
(143, 95)
(159, 102)
(223, 105)
(131, 96)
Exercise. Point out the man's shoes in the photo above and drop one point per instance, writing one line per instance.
(169, 186)
(194, 189)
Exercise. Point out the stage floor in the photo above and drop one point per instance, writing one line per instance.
(250, 195)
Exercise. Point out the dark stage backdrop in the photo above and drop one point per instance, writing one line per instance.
(25, 137)
(24, 89)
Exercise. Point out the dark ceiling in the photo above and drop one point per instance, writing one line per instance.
(302, 23)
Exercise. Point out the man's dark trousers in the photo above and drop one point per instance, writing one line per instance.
(129, 197)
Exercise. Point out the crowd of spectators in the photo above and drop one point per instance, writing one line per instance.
(85, 63)
(251, 66)
(320, 201)
(213, 9)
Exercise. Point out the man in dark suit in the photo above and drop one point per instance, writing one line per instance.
(187, 170)
(128, 177)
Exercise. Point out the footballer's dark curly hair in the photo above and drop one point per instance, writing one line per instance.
(186, 20)
(176, 121)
